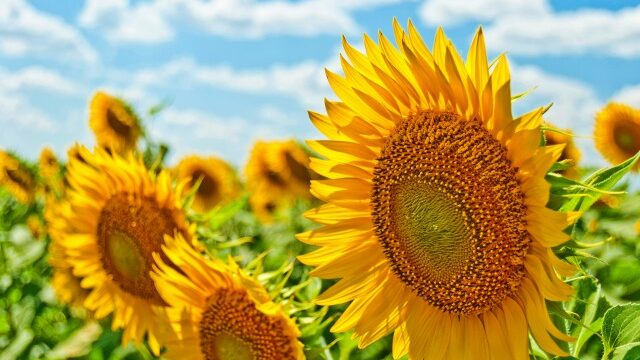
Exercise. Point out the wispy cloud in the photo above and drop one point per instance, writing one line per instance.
(305, 81)
(26, 31)
(628, 95)
(534, 28)
(155, 21)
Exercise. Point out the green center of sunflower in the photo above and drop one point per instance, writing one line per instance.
(433, 227)
(232, 328)
(229, 347)
(449, 212)
(130, 230)
(125, 255)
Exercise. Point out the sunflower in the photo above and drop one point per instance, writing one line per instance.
(217, 180)
(555, 136)
(114, 123)
(277, 173)
(435, 217)
(219, 312)
(17, 178)
(118, 216)
(617, 132)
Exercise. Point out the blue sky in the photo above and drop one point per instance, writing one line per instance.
(235, 71)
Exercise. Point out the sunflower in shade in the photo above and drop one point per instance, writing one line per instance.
(218, 311)
(114, 123)
(555, 136)
(17, 177)
(217, 181)
(435, 219)
(117, 217)
(277, 173)
(617, 132)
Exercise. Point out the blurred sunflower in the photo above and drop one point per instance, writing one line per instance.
(277, 173)
(48, 163)
(435, 218)
(217, 180)
(218, 311)
(114, 123)
(17, 178)
(617, 132)
(555, 136)
(34, 224)
(119, 214)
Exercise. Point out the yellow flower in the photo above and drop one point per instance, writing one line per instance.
(118, 216)
(219, 312)
(114, 124)
(435, 219)
(17, 178)
(217, 179)
(556, 136)
(617, 132)
(277, 173)
(35, 226)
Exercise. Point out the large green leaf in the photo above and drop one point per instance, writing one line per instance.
(581, 195)
(621, 332)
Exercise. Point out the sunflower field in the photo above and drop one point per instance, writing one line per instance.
(428, 222)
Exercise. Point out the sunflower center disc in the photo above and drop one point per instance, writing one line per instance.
(627, 136)
(117, 125)
(232, 328)
(208, 186)
(129, 231)
(449, 212)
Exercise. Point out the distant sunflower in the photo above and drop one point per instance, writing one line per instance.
(114, 123)
(119, 214)
(264, 206)
(217, 179)
(48, 163)
(219, 312)
(435, 218)
(278, 173)
(556, 136)
(617, 132)
(17, 178)
(35, 226)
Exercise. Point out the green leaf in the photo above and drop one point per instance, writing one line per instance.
(584, 194)
(621, 332)
(225, 213)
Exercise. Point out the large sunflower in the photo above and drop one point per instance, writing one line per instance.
(277, 173)
(217, 180)
(435, 218)
(119, 214)
(17, 178)
(555, 136)
(617, 132)
(114, 123)
(219, 312)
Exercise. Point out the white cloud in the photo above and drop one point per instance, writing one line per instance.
(304, 81)
(534, 28)
(628, 95)
(36, 78)
(123, 22)
(451, 12)
(16, 111)
(25, 31)
(154, 21)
